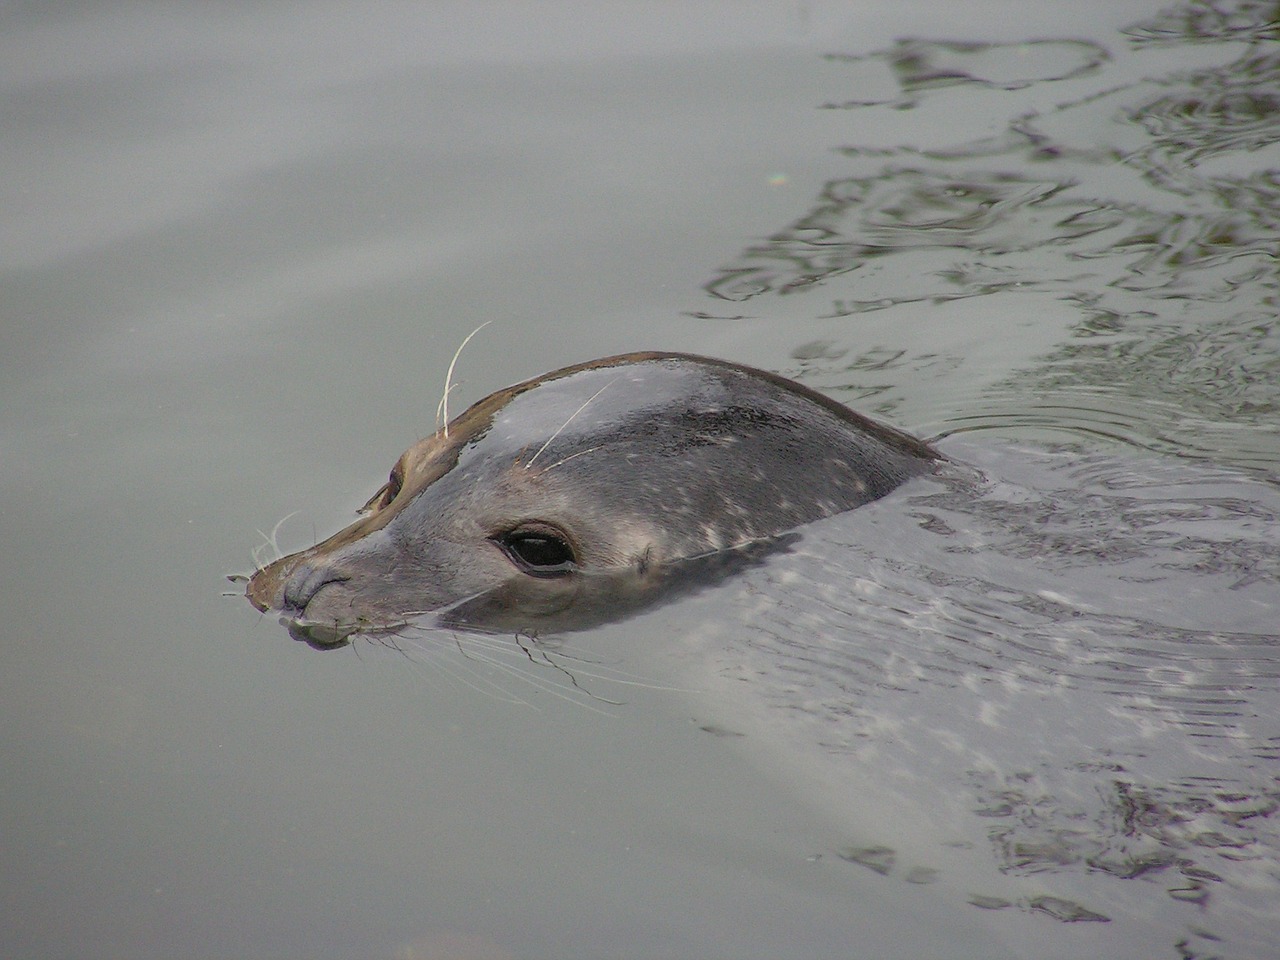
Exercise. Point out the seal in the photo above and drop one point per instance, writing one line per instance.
(583, 494)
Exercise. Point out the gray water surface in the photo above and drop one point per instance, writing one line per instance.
(1025, 710)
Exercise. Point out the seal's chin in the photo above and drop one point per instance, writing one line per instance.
(320, 636)
(327, 613)
(334, 634)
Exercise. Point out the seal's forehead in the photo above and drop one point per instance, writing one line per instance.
(588, 402)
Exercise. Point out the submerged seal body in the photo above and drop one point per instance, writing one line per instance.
(582, 492)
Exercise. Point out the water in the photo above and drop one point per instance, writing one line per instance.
(241, 246)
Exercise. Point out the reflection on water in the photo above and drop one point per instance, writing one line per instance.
(1042, 685)
(1139, 187)
(1078, 653)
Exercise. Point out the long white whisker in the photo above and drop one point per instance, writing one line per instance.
(585, 403)
(469, 677)
(524, 676)
(568, 458)
(442, 411)
(270, 542)
(600, 670)
(494, 653)
(458, 673)
(604, 676)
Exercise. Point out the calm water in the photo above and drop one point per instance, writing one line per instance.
(1026, 710)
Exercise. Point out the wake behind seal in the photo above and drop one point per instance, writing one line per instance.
(583, 494)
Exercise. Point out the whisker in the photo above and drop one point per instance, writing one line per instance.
(457, 673)
(546, 660)
(442, 411)
(269, 542)
(495, 653)
(608, 674)
(570, 457)
(585, 403)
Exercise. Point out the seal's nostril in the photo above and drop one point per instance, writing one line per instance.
(304, 583)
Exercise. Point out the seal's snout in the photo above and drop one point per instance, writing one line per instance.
(305, 581)
(263, 589)
(291, 583)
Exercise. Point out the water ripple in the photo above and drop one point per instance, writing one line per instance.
(1084, 647)
(1139, 192)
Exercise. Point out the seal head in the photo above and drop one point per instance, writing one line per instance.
(578, 496)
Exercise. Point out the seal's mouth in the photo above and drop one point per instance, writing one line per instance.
(319, 636)
(299, 590)
(292, 584)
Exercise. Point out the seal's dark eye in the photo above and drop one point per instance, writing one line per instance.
(538, 551)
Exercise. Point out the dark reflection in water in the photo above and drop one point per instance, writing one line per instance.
(1140, 190)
